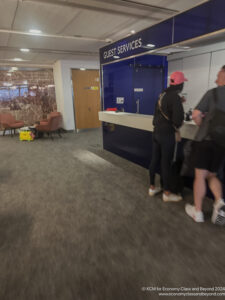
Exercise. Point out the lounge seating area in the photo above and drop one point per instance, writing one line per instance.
(53, 124)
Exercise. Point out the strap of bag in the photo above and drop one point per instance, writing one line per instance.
(160, 106)
(160, 109)
(175, 152)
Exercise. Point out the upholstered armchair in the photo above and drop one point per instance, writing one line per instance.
(8, 122)
(51, 125)
(53, 113)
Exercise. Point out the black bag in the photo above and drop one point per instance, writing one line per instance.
(217, 124)
(187, 169)
(176, 181)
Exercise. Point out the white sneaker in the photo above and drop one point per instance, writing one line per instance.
(156, 190)
(218, 215)
(197, 216)
(171, 198)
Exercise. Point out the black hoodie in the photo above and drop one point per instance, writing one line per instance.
(172, 107)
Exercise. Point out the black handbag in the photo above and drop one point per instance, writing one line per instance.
(187, 169)
(176, 181)
(216, 129)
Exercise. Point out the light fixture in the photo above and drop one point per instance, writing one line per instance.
(82, 69)
(132, 31)
(183, 47)
(116, 57)
(17, 59)
(35, 31)
(150, 45)
(24, 50)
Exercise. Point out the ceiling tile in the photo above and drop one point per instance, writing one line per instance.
(45, 17)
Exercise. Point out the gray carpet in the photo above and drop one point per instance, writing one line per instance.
(76, 223)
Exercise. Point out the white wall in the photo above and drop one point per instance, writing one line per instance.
(218, 60)
(200, 66)
(64, 88)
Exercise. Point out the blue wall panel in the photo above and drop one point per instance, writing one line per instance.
(147, 72)
(200, 20)
(118, 82)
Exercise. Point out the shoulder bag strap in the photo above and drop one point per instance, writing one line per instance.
(160, 109)
(160, 106)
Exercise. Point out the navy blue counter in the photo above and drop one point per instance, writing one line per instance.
(136, 145)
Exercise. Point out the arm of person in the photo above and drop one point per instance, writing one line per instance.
(197, 116)
(202, 107)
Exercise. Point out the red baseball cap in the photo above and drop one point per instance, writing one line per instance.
(177, 78)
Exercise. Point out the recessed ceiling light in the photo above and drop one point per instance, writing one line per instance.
(35, 31)
(17, 59)
(150, 45)
(133, 31)
(24, 50)
(116, 57)
(183, 47)
(82, 69)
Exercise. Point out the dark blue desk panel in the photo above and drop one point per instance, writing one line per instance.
(136, 145)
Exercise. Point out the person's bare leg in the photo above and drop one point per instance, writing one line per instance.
(199, 187)
(215, 186)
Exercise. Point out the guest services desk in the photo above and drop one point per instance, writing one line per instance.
(129, 135)
(142, 122)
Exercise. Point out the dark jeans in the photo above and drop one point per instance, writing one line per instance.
(162, 151)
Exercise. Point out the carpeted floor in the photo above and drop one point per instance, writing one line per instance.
(76, 223)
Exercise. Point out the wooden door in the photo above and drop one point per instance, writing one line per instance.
(87, 102)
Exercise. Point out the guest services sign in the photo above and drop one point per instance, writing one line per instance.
(151, 38)
(125, 47)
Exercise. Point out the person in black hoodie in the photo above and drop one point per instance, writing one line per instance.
(168, 118)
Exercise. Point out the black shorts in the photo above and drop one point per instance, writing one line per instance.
(208, 156)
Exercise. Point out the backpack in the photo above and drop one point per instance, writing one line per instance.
(217, 124)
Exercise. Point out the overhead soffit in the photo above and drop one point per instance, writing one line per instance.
(53, 43)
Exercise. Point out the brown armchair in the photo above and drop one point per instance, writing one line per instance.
(8, 122)
(53, 113)
(51, 125)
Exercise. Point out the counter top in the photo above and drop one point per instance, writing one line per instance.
(143, 122)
